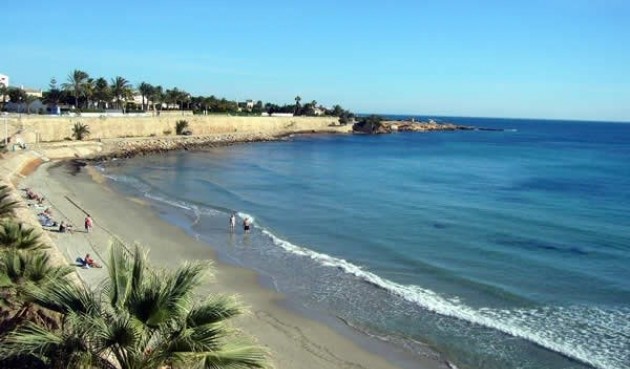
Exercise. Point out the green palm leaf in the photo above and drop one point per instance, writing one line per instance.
(7, 202)
(142, 318)
(66, 297)
(30, 339)
(14, 235)
(215, 309)
(236, 355)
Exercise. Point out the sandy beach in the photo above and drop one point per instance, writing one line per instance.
(293, 340)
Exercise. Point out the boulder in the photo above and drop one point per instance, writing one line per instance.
(371, 128)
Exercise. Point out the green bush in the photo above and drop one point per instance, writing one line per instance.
(181, 127)
(80, 131)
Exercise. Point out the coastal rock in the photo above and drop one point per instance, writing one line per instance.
(127, 148)
(389, 126)
(407, 126)
(371, 128)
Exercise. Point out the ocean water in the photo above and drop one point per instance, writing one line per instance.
(505, 249)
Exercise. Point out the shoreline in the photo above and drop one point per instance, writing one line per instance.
(294, 337)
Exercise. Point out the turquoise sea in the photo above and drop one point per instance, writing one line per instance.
(505, 249)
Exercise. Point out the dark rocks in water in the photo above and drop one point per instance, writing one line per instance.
(371, 128)
(389, 126)
(490, 129)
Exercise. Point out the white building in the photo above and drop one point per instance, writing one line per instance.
(4, 80)
(33, 92)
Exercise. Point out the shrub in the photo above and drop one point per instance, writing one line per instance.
(167, 132)
(181, 126)
(80, 131)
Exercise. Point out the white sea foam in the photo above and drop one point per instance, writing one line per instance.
(242, 215)
(130, 181)
(576, 332)
(145, 189)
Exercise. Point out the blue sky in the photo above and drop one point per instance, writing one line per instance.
(547, 59)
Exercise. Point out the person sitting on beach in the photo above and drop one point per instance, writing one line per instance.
(90, 262)
(65, 227)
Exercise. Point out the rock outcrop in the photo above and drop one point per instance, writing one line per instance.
(371, 127)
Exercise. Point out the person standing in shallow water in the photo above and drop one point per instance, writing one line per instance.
(88, 223)
(232, 222)
(246, 225)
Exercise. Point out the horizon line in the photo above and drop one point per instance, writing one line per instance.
(495, 117)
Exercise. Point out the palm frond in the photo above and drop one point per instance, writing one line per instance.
(119, 281)
(8, 204)
(118, 331)
(14, 235)
(236, 355)
(139, 267)
(66, 297)
(198, 339)
(215, 309)
(29, 339)
(21, 275)
(180, 285)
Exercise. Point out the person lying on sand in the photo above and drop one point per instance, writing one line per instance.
(31, 195)
(45, 220)
(88, 262)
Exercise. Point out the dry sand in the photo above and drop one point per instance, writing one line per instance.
(294, 340)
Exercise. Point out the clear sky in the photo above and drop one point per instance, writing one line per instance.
(539, 58)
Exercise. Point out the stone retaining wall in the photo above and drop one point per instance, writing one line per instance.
(51, 129)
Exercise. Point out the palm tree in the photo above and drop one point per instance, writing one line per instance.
(185, 98)
(102, 91)
(297, 105)
(80, 130)
(145, 90)
(173, 96)
(121, 89)
(76, 84)
(14, 235)
(7, 203)
(142, 318)
(89, 89)
(157, 96)
(21, 273)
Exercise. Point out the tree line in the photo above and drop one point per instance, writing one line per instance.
(87, 93)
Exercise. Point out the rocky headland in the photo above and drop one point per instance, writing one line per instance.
(389, 126)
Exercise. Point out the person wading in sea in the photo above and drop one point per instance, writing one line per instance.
(232, 222)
